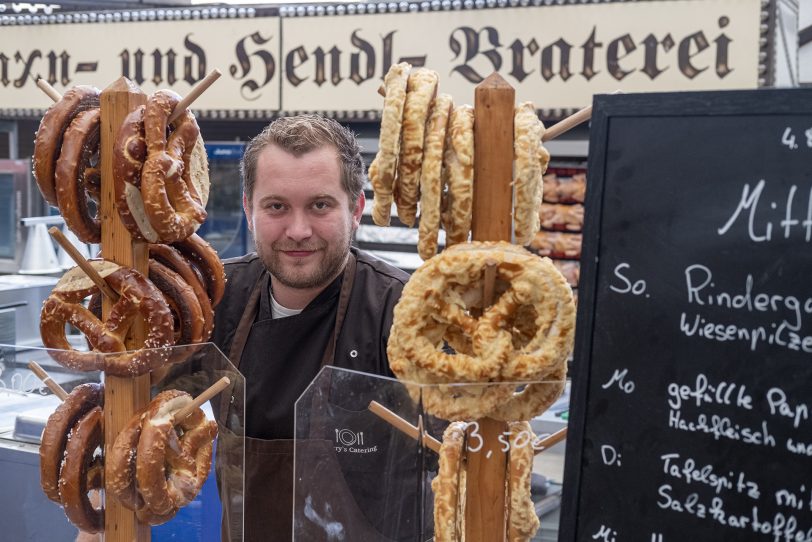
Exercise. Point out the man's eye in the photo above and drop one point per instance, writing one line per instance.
(321, 205)
(276, 206)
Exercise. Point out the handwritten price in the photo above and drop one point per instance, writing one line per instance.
(788, 139)
(524, 438)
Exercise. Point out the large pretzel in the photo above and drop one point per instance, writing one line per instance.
(458, 172)
(525, 335)
(431, 176)
(523, 521)
(420, 91)
(527, 172)
(383, 169)
(171, 201)
(448, 485)
(137, 296)
(151, 469)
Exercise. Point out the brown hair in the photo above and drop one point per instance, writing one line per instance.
(301, 134)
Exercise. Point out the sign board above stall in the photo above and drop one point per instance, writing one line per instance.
(556, 56)
(692, 382)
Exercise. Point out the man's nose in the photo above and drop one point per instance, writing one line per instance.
(299, 226)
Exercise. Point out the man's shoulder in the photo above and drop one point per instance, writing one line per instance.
(379, 269)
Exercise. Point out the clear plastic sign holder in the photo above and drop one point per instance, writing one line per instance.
(359, 477)
(26, 402)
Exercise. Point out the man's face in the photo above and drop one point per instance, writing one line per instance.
(301, 216)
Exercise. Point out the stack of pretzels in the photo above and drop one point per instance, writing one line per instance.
(449, 484)
(162, 182)
(161, 185)
(70, 456)
(426, 156)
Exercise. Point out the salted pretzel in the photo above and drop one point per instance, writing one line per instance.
(525, 335)
(137, 296)
(173, 260)
(420, 91)
(171, 201)
(383, 169)
(201, 254)
(77, 176)
(431, 176)
(448, 485)
(458, 174)
(81, 400)
(183, 302)
(522, 521)
(150, 468)
(50, 134)
(559, 245)
(77, 478)
(527, 172)
(555, 216)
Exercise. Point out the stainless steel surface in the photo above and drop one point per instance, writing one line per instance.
(24, 295)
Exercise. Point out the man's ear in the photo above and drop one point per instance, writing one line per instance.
(246, 207)
(359, 209)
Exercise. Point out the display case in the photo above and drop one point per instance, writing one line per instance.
(26, 403)
(361, 473)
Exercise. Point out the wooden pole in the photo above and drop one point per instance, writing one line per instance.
(494, 102)
(122, 396)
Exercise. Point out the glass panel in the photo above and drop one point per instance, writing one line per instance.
(26, 404)
(358, 476)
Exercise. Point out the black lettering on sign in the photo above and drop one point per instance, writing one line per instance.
(692, 391)
(471, 48)
(267, 64)
(197, 57)
(27, 66)
(365, 50)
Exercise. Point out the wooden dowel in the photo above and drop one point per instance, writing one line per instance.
(570, 122)
(550, 441)
(490, 280)
(567, 124)
(402, 425)
(213, 390)
(48, 89)
(382, 91)
(57, 234)
(46, 379)
(195, 93)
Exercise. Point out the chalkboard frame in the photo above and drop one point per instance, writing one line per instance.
(754, 103)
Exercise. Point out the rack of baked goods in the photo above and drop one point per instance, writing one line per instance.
(483, 330)
(128, 171)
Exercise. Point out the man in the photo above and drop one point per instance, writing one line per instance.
(305, 299)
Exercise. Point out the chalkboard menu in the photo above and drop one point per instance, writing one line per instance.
(692, 378)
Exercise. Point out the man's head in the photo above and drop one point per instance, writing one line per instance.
(299, 135)
(303, 199)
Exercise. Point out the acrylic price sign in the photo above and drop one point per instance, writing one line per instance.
(692, 382)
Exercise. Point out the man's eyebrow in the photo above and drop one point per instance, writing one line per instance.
(271, 197)
(324, 196)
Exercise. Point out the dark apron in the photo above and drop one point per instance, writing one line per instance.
(268, 495)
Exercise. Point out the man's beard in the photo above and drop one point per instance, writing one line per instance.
(328, 268)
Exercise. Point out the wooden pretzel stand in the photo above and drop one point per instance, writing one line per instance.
(123, 396)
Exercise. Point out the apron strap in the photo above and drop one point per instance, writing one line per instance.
(343, 303)
(246, 321)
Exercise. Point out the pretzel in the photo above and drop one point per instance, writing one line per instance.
(458, 170)
(50, 134)
(200, 253)
(79, 402)
(383, 169)
(84, 440)
(430, 176)
(138, 296)
(525, 335)
(171, 258)
(565, 189)
(188, 457)
(527, 174)
(523, 521)
(171, 202)
(447, 485)
(555, 216)
(182, 301)
(77, 177)
(558, 245)
(420, 91)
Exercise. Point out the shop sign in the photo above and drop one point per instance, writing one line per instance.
(556, 56)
